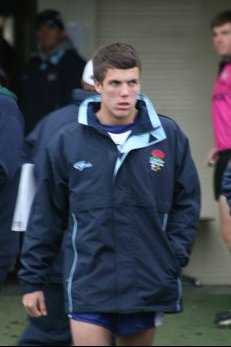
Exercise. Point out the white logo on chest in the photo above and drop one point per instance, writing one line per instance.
(82, 165)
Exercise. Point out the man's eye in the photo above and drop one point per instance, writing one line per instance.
(115, 83)
(227, 33)
(132, 83)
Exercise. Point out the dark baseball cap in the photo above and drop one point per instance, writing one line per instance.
(51, 18)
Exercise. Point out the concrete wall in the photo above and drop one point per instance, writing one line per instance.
(79, 16)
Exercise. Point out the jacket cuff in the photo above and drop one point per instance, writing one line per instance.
(26, 288)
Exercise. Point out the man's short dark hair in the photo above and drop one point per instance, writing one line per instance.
(221, 19)
(115, 55)
(51, 18)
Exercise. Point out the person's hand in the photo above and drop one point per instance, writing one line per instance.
(34, 304)
(212, 157)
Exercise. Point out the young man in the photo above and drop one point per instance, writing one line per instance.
(122, 184)
(11, 140)
(221, 115)
(53, 71)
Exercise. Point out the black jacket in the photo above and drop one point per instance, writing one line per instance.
(46, 85)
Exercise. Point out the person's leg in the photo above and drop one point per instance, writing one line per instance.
(223, 318)
(88, 334)
(223, 208)
(53, 329)
(144, 338)
(224, 215)
(137, 329)
(3, 274)
(225, 220)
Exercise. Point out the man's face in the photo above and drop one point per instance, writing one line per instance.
(49, 38)
(119, 95)
(222, 39)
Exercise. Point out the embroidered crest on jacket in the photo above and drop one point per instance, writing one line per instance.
(157, 160)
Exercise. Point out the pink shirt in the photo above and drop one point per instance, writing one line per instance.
(221, 109)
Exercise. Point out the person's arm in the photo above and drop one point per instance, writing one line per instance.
(212, 157)
(43, 238)
(32, 141)
(29, 146)
(185, 212)
(35, 304)
(28, 177)
(11, 138)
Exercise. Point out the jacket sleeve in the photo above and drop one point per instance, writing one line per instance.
(226, 184)
(32, 142)
(11, 138)
(48, 220)
(185, 211)
(29, 146)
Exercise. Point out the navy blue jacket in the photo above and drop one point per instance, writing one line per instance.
(129, 218)
(11, 140)
(35, 149)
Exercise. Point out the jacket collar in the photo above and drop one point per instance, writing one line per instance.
(148, 132)
(149, 119)
(7, 92)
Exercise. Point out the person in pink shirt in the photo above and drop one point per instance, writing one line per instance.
(220, 155)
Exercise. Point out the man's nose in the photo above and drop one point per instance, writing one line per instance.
(124, 89)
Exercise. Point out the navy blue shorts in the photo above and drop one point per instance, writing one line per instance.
(120, 324)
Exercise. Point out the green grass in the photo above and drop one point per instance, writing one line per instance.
(193, 327)
(12, 318)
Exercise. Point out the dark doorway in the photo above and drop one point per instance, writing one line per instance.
(17, 19)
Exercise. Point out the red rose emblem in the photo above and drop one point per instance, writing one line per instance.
(158, 153)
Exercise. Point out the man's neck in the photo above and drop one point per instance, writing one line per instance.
(224, 61)
(107, 119)
(227, 59)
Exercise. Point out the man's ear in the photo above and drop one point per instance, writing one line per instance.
(98, 87)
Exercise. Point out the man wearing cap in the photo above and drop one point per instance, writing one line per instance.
(52, 72)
